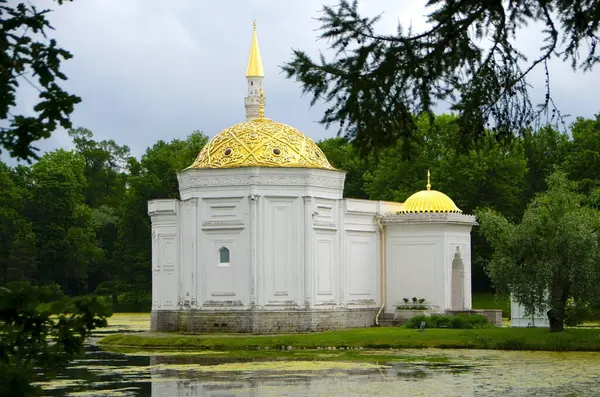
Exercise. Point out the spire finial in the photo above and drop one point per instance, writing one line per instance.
(255, 66)
(261, 111)
(428, 180)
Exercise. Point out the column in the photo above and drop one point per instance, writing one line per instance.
(253, 249)
(308, 250)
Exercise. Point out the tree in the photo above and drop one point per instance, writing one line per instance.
(545, 151)
(104, 192)
(154, 176)
(63, 223)
(41, 331)
(342, 155)
(583, 161)
(17, 241)
(105, 163)
(375, 83)
(22, 56)
(551, 256)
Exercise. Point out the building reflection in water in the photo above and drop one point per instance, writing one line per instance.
(398, 380)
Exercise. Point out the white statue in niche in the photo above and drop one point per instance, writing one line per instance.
(458, 283)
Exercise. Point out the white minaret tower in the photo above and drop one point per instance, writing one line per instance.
(255, 75)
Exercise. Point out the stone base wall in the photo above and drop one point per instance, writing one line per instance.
(164, 321)
(261, 321)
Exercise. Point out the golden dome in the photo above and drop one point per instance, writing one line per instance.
(429, 201)
(261, 143)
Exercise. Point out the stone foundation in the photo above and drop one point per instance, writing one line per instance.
(261, 321)
(164, 321)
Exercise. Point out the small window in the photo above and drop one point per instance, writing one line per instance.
(252, 83)
(223, 255)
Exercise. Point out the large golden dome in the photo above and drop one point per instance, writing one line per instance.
(261, 143)
(429, 201)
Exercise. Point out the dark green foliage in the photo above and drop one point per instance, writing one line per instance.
(374, 83)
(154, 176)
(552, 255)
(576, 314)
(460, 321)
(28, 59)
(343, 156)
(41, 330)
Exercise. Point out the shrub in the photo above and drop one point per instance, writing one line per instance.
(575, 314)
(461, 321)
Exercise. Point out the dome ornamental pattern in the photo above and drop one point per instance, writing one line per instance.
(261, 143)
(427, 201)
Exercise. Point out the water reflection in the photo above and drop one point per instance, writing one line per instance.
(387, 382)
(471, 373)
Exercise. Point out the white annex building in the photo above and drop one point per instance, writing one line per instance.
(262, 239)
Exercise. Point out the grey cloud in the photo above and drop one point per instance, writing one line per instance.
(150, 69)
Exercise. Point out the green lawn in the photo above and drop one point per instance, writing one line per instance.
(371, 338)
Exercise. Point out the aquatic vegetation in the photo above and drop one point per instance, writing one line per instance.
(417, 372)
(124, 392)
(271, 366)
(369, 338)
(126, 322)
(361, 356)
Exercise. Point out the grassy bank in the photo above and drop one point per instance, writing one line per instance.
(370, 338)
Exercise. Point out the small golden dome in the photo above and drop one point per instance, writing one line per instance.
(429, 201)
(261, 143)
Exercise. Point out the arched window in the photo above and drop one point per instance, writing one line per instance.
(223, 255)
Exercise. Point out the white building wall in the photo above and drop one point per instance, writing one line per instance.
(361, 255)
(189, 250)
(285, 255)
(165, 249)
(280, 241)
(326, 252)
(224, 226)
(415, 256)
(293, 241)
(518, 319)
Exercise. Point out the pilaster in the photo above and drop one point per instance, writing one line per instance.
(308, 250)
(253, 249)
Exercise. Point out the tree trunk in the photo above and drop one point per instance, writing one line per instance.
(556, 319)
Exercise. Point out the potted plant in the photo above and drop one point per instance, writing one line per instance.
(411, 308)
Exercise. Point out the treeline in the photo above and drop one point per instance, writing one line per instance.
(78, 218)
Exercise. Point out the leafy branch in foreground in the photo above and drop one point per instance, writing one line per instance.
(41, 330)
(375, 84)
(22, 57)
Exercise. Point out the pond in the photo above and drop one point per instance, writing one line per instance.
(465, 373)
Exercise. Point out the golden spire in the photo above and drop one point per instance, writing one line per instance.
(428, 180)
(261, 111)
(255, 66)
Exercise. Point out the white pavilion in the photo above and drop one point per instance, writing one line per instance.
(262, 239)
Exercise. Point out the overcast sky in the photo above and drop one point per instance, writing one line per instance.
(155, 69)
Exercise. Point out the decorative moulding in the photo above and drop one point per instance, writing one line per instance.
(190, 181)
(228, 224)
(392, 218)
